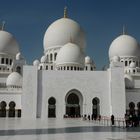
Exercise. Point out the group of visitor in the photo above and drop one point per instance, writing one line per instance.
(92, 117)
(132, 120)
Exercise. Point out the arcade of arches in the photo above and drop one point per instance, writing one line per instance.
(133, 108)
(11, 111)
(73, 105)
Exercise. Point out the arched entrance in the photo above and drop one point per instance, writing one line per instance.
(3, 109)
(51, 107)
(18, 69)
(131, 108)
(95, 107)
(11, 112)
(74, 103)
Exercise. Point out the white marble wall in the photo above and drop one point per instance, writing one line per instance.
(29, 95)
(58, 83)
(39, 86)
(117, 89)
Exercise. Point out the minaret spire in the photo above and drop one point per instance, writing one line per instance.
(124, 30)
(65, 12)
(3, 25)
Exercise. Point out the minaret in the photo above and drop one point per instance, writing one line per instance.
(65, 12)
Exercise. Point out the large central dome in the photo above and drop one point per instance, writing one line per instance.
(62, 31)
(8, 44)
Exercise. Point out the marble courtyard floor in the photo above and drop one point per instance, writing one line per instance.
(65, 129)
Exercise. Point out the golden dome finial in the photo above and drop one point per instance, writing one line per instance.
(65, 12)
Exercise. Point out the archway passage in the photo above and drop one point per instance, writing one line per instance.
(3, 109)
(72, 105)
(11, 112)
(95, 108)
(51, 107)
(18, 69)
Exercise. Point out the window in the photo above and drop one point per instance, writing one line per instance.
(46, 67)
(137, 64)
(71, 68)
(50, 57)
(51, 67)
(55, 56)
(6, 60)
(18, 69)
(10, 61)
(91, 68)
(2, 61)
(74, 68)
(125, 63)
(67, 68)
(40, 67)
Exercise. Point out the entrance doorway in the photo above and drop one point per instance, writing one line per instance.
(73, 104)
(95, 107)
(51, 107)
(3, 109)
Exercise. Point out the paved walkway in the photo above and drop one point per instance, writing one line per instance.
(65, 129)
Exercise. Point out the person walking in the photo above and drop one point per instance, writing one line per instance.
(89, 117)
(126, 120)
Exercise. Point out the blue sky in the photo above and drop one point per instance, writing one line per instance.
(102, 21)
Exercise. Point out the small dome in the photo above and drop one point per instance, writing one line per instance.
(124, 45)
(132, 65)
(129, 82)
(43, 59)
(116, 59)
(70, 54)
(8, 44)
(14, 79)
(61, 31)
(88, 60)
(36, 62)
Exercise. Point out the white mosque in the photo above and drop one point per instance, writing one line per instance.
(65, 82)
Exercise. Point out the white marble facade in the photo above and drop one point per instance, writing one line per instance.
(65, 82)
